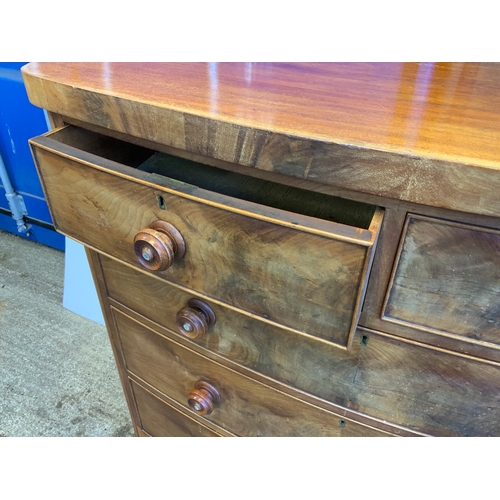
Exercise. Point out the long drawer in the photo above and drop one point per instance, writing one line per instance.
(304, 273)
(246, 407)
(290, 358)
(428, 390)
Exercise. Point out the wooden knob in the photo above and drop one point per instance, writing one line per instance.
(195, 319)
(203, 398)
(158, 246)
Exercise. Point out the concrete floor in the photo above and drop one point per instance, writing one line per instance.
(57, 371)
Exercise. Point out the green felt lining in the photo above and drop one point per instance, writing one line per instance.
(260, 191)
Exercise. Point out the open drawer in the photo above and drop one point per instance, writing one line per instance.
(290, 257)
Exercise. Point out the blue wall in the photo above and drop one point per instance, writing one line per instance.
(19, 121)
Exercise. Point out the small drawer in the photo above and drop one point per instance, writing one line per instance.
(290, 257)
(159, 419)
(446, 281)
(245, 408)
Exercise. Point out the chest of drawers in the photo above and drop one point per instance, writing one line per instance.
(274, 270)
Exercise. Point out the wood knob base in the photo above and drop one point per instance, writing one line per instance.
(158, 246)
(203, 398)
(195, 319)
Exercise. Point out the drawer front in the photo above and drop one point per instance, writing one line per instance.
(305, 274)
(159, 419)
(247, 407)
(420, 388)
(290, 358)
(447, 281)
(431, 391)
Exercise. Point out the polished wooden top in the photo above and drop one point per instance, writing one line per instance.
(424, 133)
(448, 111)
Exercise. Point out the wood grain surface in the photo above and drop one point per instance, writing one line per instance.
(257, 266)
(417, 138)
(398, 381)
(247, 408)
(297, 360)
(424, 133)
(430, 390)
(447, 279)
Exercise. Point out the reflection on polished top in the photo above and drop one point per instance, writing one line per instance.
(444, 111)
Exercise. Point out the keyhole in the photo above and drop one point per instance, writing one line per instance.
(161, 202)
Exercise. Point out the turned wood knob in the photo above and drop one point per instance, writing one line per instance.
(203, 398)
(158, 246)
(195, 319)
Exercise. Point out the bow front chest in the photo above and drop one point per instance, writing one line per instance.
(286, 249)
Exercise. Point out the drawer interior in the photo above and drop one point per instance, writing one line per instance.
(263, 192)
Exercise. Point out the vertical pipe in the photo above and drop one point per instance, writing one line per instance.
(15, 201)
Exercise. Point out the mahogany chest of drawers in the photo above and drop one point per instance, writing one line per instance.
(282, 257)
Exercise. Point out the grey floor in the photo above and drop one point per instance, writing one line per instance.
(57, 371)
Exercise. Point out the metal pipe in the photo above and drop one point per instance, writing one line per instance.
(15, 201)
